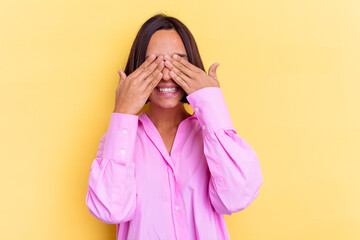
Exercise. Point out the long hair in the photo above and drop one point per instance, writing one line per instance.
(141, 42)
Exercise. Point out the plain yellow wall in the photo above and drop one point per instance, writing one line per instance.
(290, 74)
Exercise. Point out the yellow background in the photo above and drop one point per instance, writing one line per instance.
(290, 74)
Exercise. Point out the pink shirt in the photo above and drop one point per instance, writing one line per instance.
(149, 194)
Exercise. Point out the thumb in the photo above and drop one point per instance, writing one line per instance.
(212, 70)
(122, 75)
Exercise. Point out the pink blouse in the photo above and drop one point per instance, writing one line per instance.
(149, 194)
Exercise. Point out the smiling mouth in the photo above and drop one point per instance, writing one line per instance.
(167, 90)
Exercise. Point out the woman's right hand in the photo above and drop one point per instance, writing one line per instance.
(133, 90)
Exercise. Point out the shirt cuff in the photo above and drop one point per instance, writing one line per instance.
(120, 137)
(210, 108)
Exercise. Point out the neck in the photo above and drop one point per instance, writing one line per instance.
(167, 118)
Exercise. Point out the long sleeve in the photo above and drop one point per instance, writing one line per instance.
(111, 195)
(235, 173)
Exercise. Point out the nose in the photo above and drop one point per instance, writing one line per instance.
(166, 74)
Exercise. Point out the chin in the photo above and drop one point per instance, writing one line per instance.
(165, 102)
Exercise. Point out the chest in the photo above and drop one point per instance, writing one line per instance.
(155, 177)
(168, 138)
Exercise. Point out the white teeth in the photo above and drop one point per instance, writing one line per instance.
(167, 89)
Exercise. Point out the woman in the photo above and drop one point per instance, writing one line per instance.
(167, 174)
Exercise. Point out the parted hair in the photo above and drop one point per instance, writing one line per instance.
(141, 42)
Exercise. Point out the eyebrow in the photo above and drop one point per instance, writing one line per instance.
(180, 54)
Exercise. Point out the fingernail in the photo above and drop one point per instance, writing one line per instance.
(167, 57)
(152, 55)
(175, 56)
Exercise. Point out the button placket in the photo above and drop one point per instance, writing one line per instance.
(177, 198)
(179, 213)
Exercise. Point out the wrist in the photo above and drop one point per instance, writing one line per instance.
(125, 111)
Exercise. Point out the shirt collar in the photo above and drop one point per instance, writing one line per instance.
(144, 118)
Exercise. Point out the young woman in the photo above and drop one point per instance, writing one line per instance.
(166, 174)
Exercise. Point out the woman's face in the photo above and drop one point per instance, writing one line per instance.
(166, 42)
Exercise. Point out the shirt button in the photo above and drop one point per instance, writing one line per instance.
(122, 152)
(176, 208)
(203, 127)
(124, 131)
(196, 109)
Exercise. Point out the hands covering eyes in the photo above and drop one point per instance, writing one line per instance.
(190, 77)
(133, 90)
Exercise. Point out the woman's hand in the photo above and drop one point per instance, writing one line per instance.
(133, 90)
(190, 77)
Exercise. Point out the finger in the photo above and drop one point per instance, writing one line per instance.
(178, 67)
(179, 81)
(122, 76)
(144, 65)
(153, 83)
(171, 62)
(186, 63)
(155, 73)
(212, 70)
(177, 71)
(151, 68)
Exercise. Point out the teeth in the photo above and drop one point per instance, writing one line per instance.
(167, 89)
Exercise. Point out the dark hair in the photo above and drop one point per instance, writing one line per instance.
(141, 42)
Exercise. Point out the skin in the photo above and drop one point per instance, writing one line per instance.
(170, 67)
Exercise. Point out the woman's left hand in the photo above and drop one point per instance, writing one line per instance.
(190, 77)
